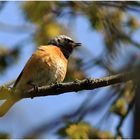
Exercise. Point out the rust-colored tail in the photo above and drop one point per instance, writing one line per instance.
(6, 106)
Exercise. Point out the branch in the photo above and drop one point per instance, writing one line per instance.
(119, 133)
(122, 5)
(78, 85)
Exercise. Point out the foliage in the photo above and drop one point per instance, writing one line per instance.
(4, 136)
(83, 130)
(7, 57)
(118, 24)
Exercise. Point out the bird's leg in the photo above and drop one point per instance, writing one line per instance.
(34, 86)
(77, 81)
(57, 85)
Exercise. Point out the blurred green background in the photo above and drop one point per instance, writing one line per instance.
(110, 37)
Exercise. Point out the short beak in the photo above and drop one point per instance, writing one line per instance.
(78, 44)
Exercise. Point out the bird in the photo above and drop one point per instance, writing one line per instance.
(47, 65)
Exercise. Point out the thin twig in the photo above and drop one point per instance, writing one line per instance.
(119, 133)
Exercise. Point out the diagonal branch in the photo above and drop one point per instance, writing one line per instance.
(78, 85)
(119, 126)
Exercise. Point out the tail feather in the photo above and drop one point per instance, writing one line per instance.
(4, 108)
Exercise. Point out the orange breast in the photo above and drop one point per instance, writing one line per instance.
(47, 65)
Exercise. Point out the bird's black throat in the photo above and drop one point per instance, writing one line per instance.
(65, 47)
(67, 51)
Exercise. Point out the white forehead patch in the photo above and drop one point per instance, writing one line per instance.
(63, 37)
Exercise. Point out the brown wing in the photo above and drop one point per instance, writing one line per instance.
(31, 60)
(20, 75)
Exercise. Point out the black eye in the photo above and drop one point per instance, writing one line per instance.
(65, 39)
(58, 40)
(70, 41)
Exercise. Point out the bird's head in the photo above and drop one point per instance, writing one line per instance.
(65, 43)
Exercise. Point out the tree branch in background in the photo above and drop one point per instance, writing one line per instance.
(119, 126)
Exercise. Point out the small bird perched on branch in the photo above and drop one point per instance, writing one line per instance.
(46, 66)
